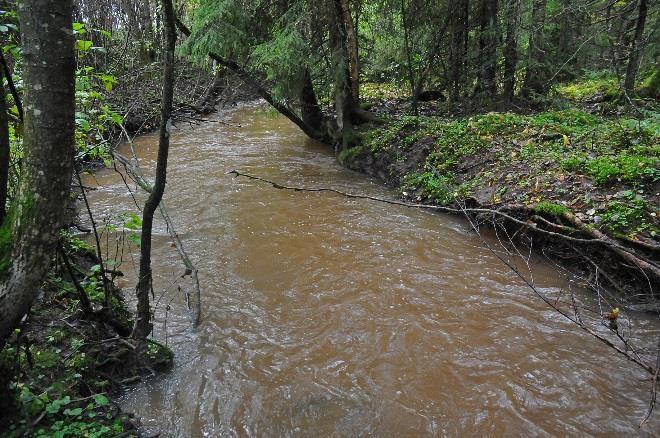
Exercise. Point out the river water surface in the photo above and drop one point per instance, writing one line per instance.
(324, 315)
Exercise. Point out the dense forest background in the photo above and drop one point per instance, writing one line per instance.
(543, 112)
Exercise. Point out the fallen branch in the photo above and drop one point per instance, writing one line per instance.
(468, 212)
(599, 238)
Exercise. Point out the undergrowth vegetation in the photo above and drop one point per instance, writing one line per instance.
(63, 367)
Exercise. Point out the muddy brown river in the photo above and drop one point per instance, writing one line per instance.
(328, 316)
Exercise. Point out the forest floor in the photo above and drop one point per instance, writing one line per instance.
(581, 168)
(63, 365)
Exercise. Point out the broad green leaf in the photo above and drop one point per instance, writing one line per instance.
(84, 45)
(101, 400)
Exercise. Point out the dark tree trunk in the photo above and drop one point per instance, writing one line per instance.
(511, 48)
(143, 324)
(352, 45)
(49, 66)
(4, 151)
(309, 106)
(535, 77)
(636, 49)
(344, 105)
(458, 33)
(488, 37)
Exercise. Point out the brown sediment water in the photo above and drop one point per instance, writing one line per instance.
(328, 316)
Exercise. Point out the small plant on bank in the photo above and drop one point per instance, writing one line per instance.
(551, 209)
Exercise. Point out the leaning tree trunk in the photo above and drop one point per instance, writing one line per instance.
(143, 324)
(511, 48)
(249, 79)
(49, 66)
(636, 49)
(535, 77)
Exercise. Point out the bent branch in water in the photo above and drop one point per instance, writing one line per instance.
(599, 238)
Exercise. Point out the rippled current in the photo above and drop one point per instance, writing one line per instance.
(328, 316)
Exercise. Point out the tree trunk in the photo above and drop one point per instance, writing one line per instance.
(458, 32)
(511, 48)
(352, 44)
(4, 150)
(143, 324)
(535, 77)
(488, 37)
(344, 105)
(49, 66)
(309, 106)
(636, 49)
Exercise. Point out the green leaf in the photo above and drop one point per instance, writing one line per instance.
(101, 400)
(84, 45)
(134, 239)
(79, 28)
(73, 412)
(55, 406)
(134, 222)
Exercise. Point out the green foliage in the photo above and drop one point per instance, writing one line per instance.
(377, 91)
(601, 86)
(632, 169)
(284, 56)
(569, 120)
(66, 417)
(628, 216)
(535, 159)
(650, 85)
(24, 208)
(224, 27)
(550, 208)
(347, 155)
(6, 244)
(72, 241)
(438, 188)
